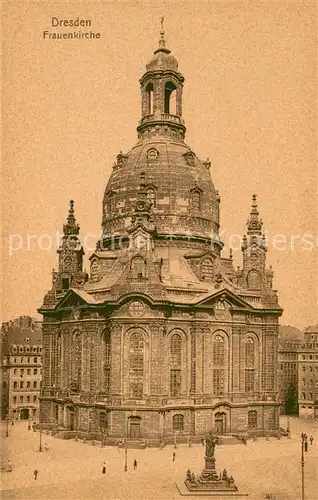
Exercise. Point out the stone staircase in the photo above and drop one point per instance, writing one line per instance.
(225, 440)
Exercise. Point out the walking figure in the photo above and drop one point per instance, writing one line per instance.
(311, 439)
(35, 474)
(104, 468)
(135, 464)
(46, 447)
(173, 456)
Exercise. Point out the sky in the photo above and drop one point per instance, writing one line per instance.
(249, 103)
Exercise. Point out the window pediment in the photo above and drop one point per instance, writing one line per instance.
(152, 154)
(189, 158)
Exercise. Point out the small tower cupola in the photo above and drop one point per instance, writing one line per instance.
(254, 250)
(161, 92)
(70, 270)
(254, 223)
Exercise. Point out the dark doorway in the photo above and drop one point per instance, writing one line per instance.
(24, 414)
(134, 427)
(220, 423)
(72, 421)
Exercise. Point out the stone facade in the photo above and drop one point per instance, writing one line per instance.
(288, 375)
(308, 374)
(21, 368)
(164, 338)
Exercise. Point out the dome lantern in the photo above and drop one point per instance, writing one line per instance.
(161, 93)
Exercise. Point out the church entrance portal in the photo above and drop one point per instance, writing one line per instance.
(134, 427)
(70, 418)
(220, 423)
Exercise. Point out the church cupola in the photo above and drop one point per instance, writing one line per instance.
(70, 269)
(161, 93)
(254, 248)
(254, 223)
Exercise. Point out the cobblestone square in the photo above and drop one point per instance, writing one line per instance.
(73, 470)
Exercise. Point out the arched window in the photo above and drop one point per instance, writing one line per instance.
(175, 365)
(149, 90)
(218, 358)
(138, 268)
(107, 360)
(76, 380)
(249, 365)
(136, 365)
(207, 270)
(170, 98)
(196, 200)
(253, 280)
(252, 419)
(175, 350)
(151, 195)
(249, 353)
(218, 350)
(178, 422)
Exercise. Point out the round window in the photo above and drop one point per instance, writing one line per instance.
(136, 308)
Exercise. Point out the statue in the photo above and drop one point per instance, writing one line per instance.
(210, 443)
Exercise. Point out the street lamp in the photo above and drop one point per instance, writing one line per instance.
(288, 428)
(103, 432)
(40, 447)
(304, 447)
(125, 469)
(175, 440)
(7, 430)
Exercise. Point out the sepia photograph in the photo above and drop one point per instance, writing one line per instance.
(159, 263)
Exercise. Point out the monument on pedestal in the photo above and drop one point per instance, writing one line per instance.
(209, 482)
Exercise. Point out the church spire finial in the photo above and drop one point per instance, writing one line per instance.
(254, 223)
(162, 42)
(71, 227)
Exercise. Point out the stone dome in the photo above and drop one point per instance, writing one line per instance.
(179, 185)
(162, 60)
(162, 167)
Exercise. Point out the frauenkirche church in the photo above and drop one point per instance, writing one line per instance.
(164, 337)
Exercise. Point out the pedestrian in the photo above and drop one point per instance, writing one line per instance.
(311, 439)
(173, 456)
(12, 423)
(202, 442)
(35, 474)
(135, 464)
(46, 447)
(104, 468)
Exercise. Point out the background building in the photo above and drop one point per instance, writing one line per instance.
(165, 336)
(21, 368)
(288, 375)
(308, 374)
